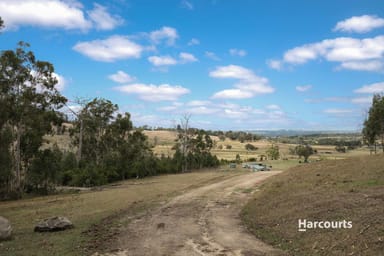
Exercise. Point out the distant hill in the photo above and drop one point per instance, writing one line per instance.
(287, 133)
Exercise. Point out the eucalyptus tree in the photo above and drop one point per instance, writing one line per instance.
(29, 104)
(374, 124)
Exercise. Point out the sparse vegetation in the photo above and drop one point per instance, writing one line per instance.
(273, 152)
(349, 189)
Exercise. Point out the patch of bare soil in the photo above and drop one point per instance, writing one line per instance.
(204, 221)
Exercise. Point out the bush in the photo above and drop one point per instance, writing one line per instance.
(228, 146)
(251, 147)
(340, 149)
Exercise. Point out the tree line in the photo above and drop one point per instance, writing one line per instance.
(108, 148)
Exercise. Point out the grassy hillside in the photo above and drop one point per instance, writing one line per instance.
(350, 189)
(163, 141)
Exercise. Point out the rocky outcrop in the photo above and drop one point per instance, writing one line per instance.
(5, 229)
(52, 224)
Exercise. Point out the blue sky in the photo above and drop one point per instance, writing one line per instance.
(231, 65)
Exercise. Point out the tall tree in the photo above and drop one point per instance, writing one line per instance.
(374, 124)
(91, 126)
(273, 152)
(183, 140)
(304, 151)
(29, 103)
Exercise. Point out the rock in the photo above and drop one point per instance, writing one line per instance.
(5, 229)
(53, 224)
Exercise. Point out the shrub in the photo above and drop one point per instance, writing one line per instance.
(251, 147)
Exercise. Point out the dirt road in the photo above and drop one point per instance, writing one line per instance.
(203, 222)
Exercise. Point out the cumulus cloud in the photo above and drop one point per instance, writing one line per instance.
(187, 57)
(151, 92)
(359, 24)
(371, 65)
(371, 88)
(167, 34)
(237, 52)
(352, 53)
(247, 86)
(165, 60)
(67, 15)
(303, 88)
(121, 77)
(233, 94)
(110, 49)
(61, 82)
(102, 19)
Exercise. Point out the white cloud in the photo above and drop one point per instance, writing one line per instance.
(360, 24)
(212, 56)
(374, 65)
(352, 53)
(151, 92)
(273, 107)
(275, 64)
(361, 100)
(44, 13)
(303, 88)
(65, 14)
(248, 85)
(194, 41)
(187, 5)
(162, 60)
(102, 19)
(233, 71)
(335, 111)
(121, 77)
(237, 52)
(168, 34)
(232, 94)
(202, 110)
(187, 57)
(371, 88)
(166, 60)
(328, 99)
(198, 103)
(247, 116)
(109, 50)
(61, 82)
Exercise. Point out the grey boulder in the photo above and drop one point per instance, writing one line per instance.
(5, 229)
(52, 224)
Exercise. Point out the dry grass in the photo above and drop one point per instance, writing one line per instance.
(88, 208)
(351, 189)
(163, 141)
